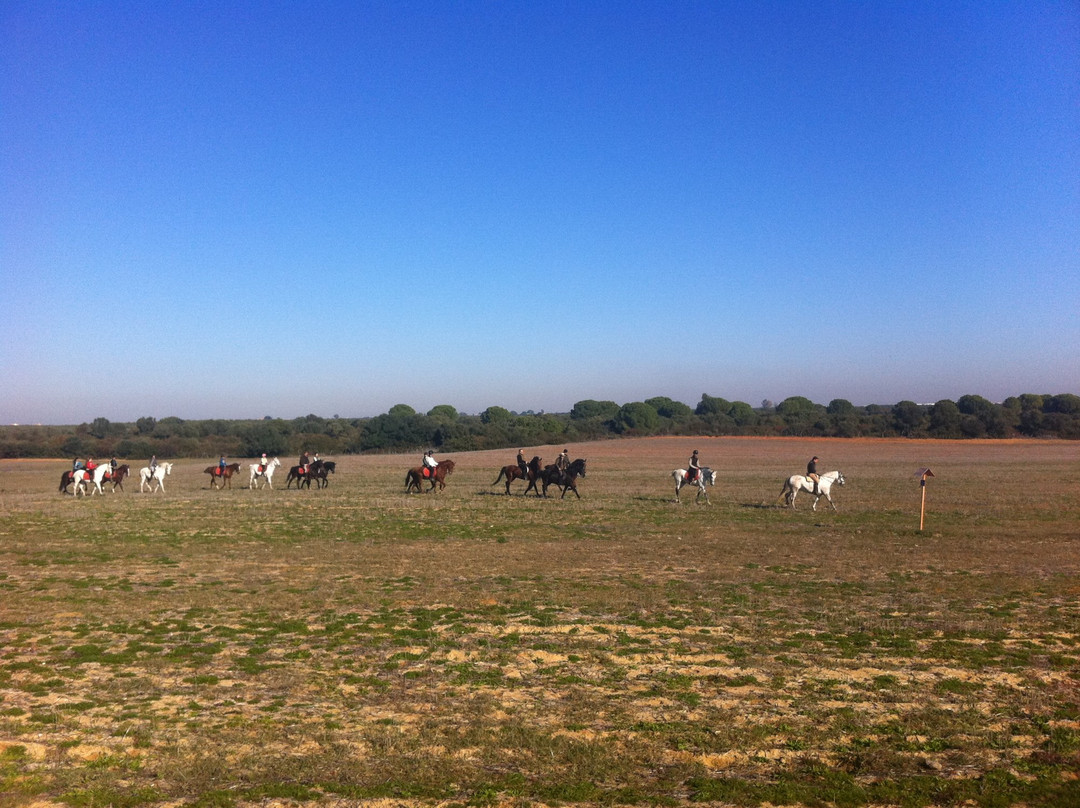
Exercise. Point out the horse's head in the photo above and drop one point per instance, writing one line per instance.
(708, 475)
(448, 465)
(577, 467)
(536, 463)
(839, 478)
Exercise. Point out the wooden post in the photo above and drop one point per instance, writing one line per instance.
(922, 474)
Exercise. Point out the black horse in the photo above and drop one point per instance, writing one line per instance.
(319, 470)
(551, 475)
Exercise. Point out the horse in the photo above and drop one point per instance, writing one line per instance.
(224, 475)
(146, 477)
(266, 472)
(66, 479)
(551, 475)
(797, 482)
(319, 471)
(105, 474)
(88, 478)
(705, 475)
(117, 477)
(436, 476)
(514, 472)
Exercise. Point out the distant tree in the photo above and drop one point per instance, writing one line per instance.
(666, 408)
(742, 414)
(712, 405)
(638, 417)
(589, 408)
(1065, 403)
(99, 428)
(796, 406)
(401, 410)
(840, 406)
(145, 426)
(945, 419)
(495, 415)
(443, 412)
(908, 417)
(767, 405)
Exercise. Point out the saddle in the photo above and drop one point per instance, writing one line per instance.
(427, 472)
(219, 472)
(692, 475)
(262, 469)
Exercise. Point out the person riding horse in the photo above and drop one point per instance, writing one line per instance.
(305, 461)
(693, 469)
(522, 464)
(562, 463)
(812, 473)
(429, 464)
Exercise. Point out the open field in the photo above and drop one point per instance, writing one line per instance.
(357, 644)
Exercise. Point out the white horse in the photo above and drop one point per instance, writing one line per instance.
(797, 482)
(93, 479)
(267, 472)
(705, 475)
(148, 478)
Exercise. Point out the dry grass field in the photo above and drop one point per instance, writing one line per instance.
(358, 645)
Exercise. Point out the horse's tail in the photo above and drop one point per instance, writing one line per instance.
(501, 473)
(64, 482)
(784, 491)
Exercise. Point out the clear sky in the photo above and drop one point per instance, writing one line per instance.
(232, 210)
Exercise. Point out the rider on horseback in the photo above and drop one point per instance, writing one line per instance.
(522, 464)
(693, 469)
(221, 464)
(562, 463)
(429, 464)
(812, 473)
(305, 461)
(263, 463)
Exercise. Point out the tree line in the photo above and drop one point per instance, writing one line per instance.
(444, 429)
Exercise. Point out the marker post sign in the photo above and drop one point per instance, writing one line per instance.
(922, 474)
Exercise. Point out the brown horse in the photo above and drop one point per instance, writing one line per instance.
(532, 470)
(117, 477)
(222, 475)
(437, 476)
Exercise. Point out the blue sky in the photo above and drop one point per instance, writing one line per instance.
(231, 210)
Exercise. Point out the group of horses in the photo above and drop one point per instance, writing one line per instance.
(92, 480)
(534, 473)
(792, 486)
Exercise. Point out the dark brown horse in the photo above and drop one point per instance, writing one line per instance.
(117, 477)
(436, 476)
(316, 471)
(66, 480)
(222, 475)
(551, 475)
(320, 470)
(532, 470)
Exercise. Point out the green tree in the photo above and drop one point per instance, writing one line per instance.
(588, 408)
(945, 419)
(401, 410)
(666, 408)
(637, 417)
(711, 405)
(908, 417)
(443, 412)
(496, 415)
